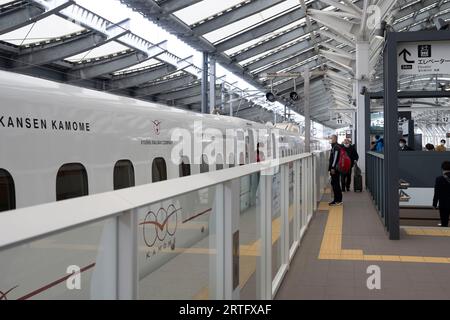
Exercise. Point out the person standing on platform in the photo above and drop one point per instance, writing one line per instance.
(346, 178)
(403, 146)
(441, 197)
(334, 173)
(379, 144)
(441, 147)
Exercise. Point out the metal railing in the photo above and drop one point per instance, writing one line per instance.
(227, 234)
(375, 183)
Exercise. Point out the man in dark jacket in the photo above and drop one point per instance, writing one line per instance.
(442, 194)
(334, 173)
(346, 178)
(403, 146)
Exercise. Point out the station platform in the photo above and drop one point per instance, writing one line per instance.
(342, 242)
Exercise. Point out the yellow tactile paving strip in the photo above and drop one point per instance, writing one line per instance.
(429, 232)
(323, 206)
(331, 248)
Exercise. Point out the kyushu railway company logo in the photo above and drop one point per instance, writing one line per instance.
(157, 127)
(159, 229)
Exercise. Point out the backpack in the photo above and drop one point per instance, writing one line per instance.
(345, 163)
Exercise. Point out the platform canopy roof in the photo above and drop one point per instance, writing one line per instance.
(127, 47)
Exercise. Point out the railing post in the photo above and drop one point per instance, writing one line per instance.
(217, 278)
(265, 275)
(231, 235)
(304, 193)
(127, 256)
(284, 227)
(297, 196)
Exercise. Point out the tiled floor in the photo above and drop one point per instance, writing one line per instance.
(312, 278)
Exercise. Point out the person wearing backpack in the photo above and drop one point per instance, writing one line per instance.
(441, 197)
(346, 173)
(333, 168)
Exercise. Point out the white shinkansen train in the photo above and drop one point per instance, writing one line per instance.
(59, 142)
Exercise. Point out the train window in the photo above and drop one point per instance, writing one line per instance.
(231, 161)
(71, 182)
(7, 191)
(185, 167)
(123, 175)
(204, 167)
(241, 159)
(159, 170)
(219, 162)
(247, 148)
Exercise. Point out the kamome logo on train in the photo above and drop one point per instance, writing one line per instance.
(4, 295)
(43, 124)
(159, 229)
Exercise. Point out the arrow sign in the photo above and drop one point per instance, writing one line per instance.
(405, 53)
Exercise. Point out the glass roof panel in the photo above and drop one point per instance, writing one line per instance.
(251, 21)
(104, 50)
(145, 64)
(265, 37)
(204, 9)
(45, 29)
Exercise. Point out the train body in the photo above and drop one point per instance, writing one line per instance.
(59, 142)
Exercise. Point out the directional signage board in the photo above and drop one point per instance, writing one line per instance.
(420, 58)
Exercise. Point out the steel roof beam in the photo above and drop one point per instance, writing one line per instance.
(54, 51)
(261, 30)
(22, 14)
(339, 51)
(194, 99)
(113, 64)
(171, 6)
(289, 85)
(137, 78)
(179, 94)
(270, 44)
(238, 12)
(64, 48)
(282, 54)
(165, 86)
(107, 66)
(339, 38)
(289, 62)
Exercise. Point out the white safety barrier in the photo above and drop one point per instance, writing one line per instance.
(227, 234)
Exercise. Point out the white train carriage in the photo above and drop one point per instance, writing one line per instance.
(59, 142)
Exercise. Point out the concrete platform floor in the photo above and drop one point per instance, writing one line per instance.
(342, 242)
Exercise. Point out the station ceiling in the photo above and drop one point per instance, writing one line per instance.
(254, 39)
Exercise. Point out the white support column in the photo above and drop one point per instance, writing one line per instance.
(304, 195)
(306, 85)
(265, 262)
(362, 72)
(217, 262)
(127, 256)
(212, 83)
(231, 227)
(284, 232)
(204, 84)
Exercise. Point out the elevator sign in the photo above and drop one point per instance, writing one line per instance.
(420, 58)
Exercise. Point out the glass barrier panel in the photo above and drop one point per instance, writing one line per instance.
(291, 207)
(250, 238)
(277, 199)
(74, 265)
(177, 248)
(300, 194)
